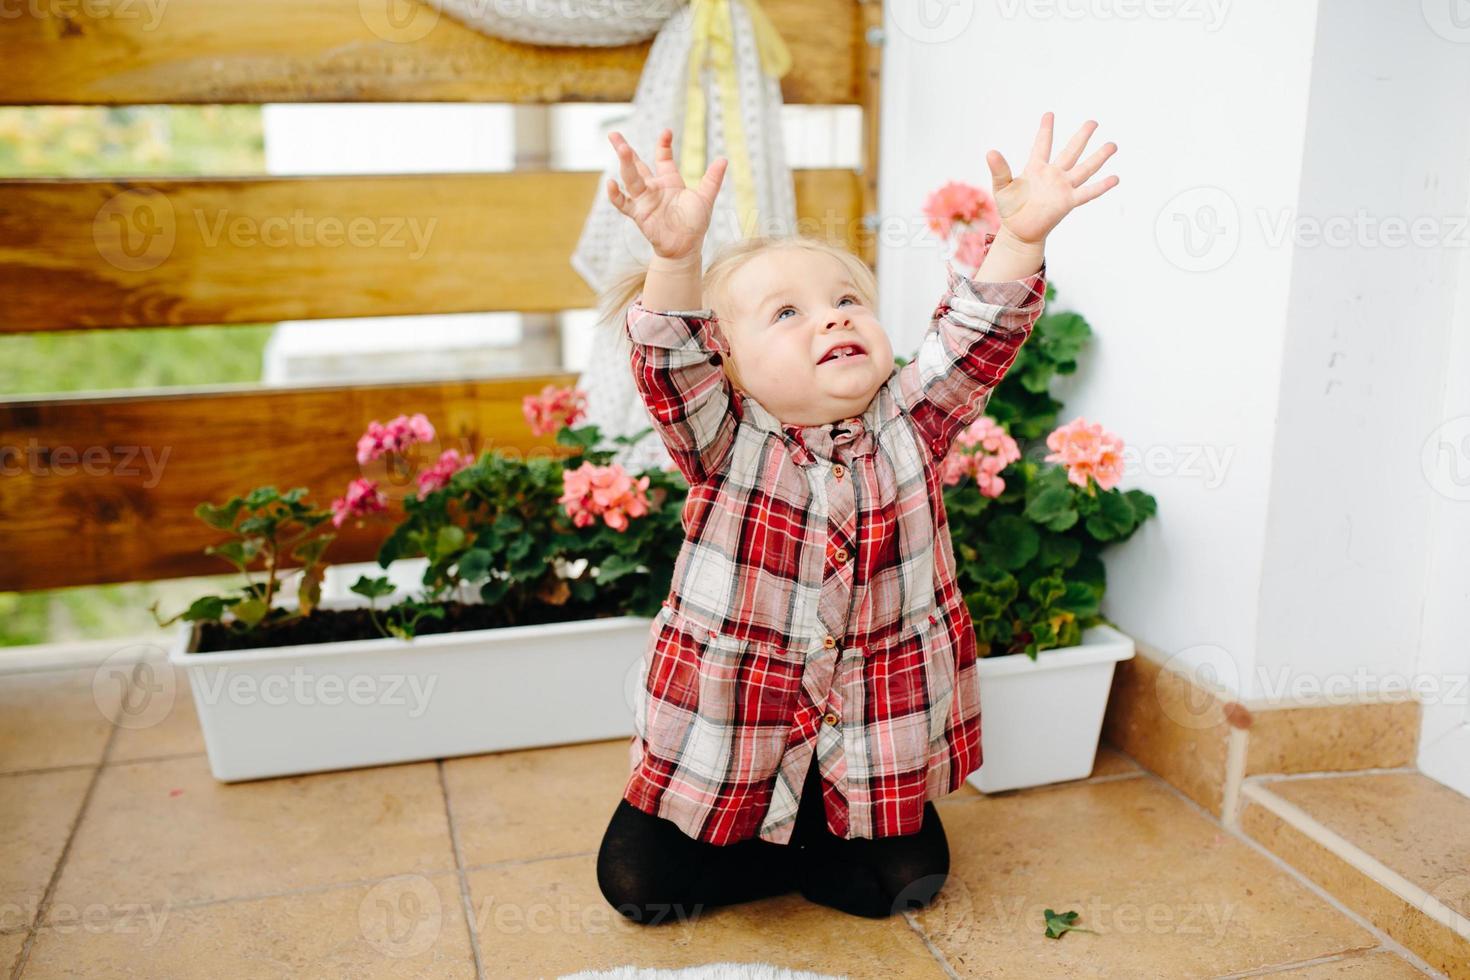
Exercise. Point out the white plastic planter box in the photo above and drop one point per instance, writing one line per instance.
(1040, 720)
(281, 711)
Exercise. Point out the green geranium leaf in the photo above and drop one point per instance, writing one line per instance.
(475, 564)
(449, 539)
(250, 611)
(1012, 542)
(1059, 551)
(1054, 507)
(372, 588)
(220, 517)
(210, 607)
(1114, 517)
(261, 496)
(494, 591)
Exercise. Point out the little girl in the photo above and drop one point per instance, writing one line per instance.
(810, 686)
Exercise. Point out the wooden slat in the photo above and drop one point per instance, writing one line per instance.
(104, 489)
(90, 254)
(124, 52)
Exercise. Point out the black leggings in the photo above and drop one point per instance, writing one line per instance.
(651, 871)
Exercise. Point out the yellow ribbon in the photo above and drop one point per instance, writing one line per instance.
(712, 44)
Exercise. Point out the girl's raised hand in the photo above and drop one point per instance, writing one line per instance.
(673, 217)
(1032, 204)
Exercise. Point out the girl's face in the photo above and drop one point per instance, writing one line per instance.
(789, 313)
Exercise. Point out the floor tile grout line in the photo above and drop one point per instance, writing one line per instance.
(46, 770)
(1386, 941)
(1278, 968)
(44, 904)
(323, 888)
(110, 763)
(1358, 859)
(912, 919)
(471, 925)
(1286, 777)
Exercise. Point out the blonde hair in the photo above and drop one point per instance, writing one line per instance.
(613, 301)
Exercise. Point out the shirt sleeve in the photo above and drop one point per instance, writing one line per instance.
(975, 334)
(676, 358)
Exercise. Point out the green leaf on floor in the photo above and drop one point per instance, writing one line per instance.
(1058, 924)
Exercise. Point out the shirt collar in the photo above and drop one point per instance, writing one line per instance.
(812, 444)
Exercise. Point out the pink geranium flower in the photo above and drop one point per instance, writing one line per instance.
(963, 203)
(608, 492)
(1088, 451)
(554, 408)
(396, 436)
(450, 462)
(981, 450)
(363, 498)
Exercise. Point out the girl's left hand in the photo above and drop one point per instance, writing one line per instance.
(1032, 204)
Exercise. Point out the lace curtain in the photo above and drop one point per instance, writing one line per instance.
(611, 244)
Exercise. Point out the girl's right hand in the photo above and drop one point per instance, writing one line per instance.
(673, 217)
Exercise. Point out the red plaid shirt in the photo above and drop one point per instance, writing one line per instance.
(814, 607)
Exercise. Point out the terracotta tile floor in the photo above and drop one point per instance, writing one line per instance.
(120, 855)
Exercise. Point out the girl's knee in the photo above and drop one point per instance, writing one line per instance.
(643, 888)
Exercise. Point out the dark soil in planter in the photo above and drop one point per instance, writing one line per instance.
(334, 625)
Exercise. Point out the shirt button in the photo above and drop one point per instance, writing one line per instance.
(830, 718)
(830, 641)
(841, 556)
(838, 470)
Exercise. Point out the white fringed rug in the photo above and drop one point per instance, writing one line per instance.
(708, 971)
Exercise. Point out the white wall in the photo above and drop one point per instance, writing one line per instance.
(1214, 345)
(1370, 320)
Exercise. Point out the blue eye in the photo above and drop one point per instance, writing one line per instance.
(783, 310)
(848, 296)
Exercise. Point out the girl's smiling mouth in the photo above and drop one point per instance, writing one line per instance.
(844, 352)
